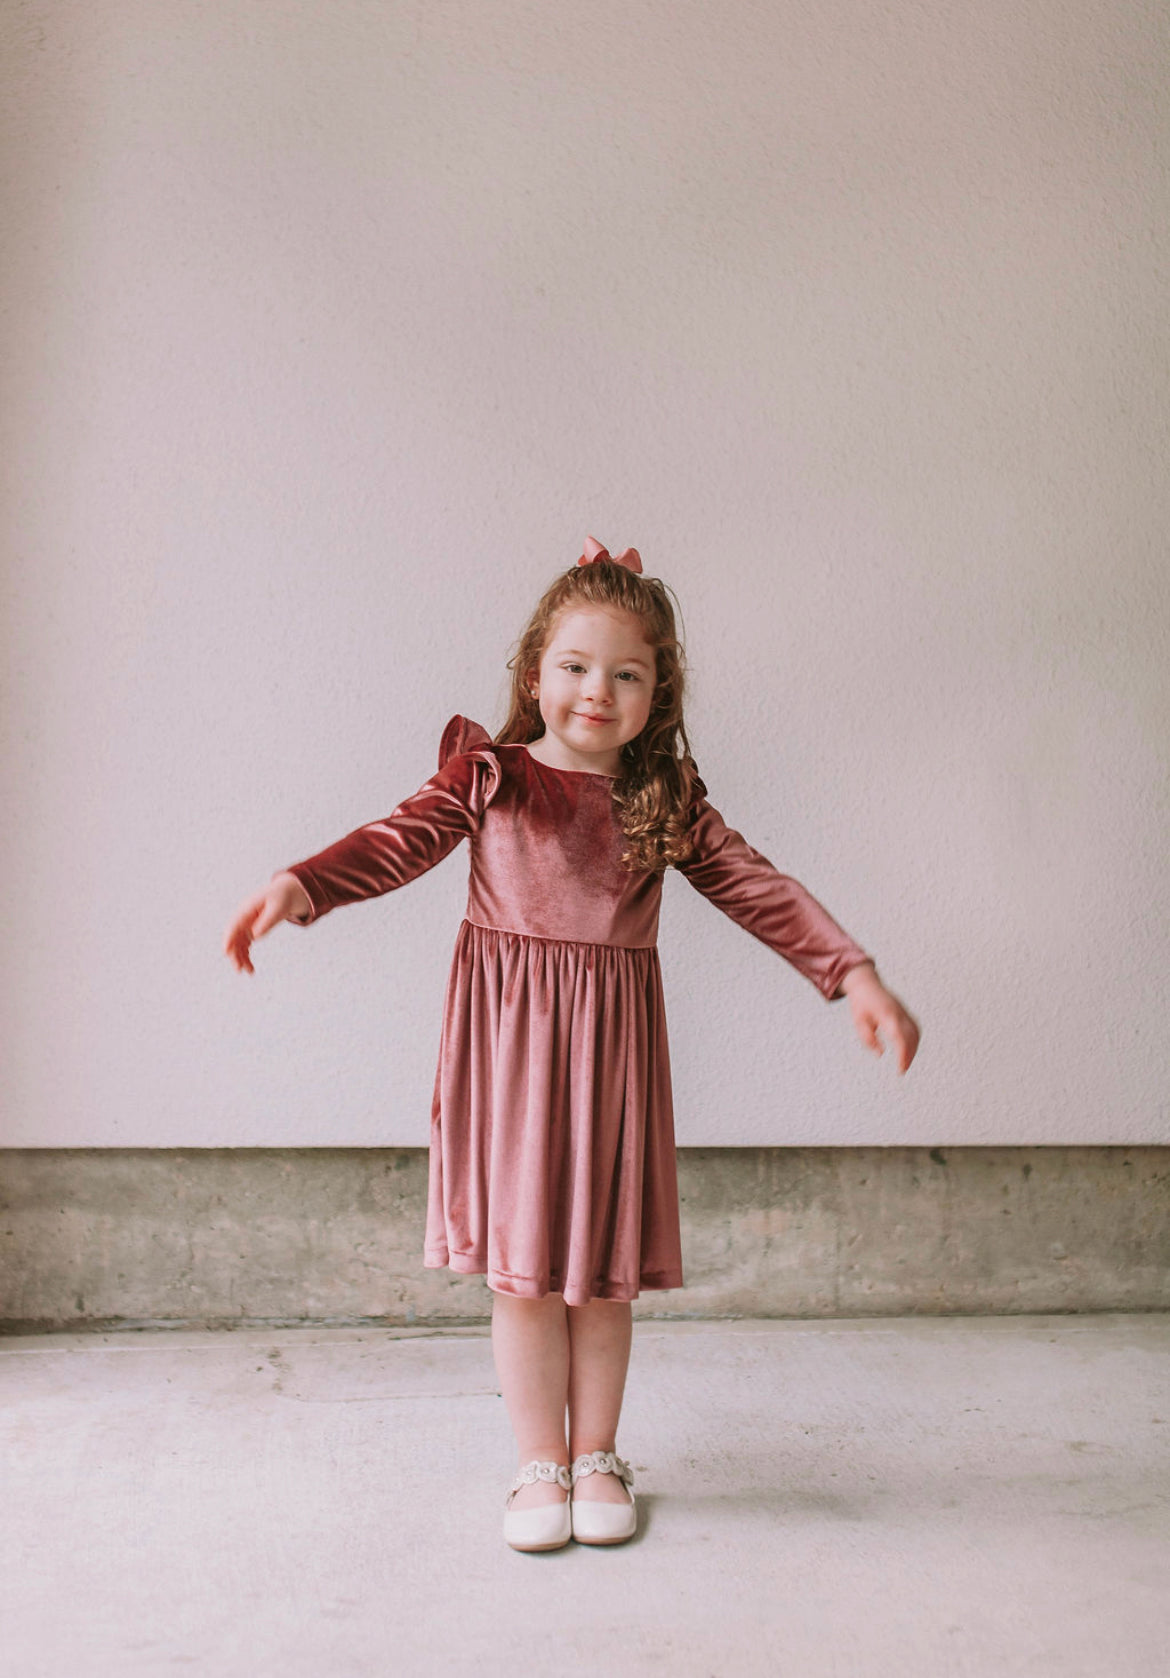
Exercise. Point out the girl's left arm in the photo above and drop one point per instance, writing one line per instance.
(778, 910)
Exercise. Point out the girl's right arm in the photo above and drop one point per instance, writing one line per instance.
(283, 899)
(377, 858)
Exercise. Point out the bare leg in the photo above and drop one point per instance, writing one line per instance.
(600, 1336)
(530, 1342)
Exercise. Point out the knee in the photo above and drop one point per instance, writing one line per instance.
(527, 1302)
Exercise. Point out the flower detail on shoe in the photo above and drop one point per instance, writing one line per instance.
(604, 1462)
(533, 1471)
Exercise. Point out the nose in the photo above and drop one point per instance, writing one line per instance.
(598, 691)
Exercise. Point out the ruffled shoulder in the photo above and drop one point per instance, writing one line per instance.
(469, 765)
(462, 735)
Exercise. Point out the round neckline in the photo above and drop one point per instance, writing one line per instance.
(593, 774)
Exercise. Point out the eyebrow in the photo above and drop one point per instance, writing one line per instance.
(576, 651)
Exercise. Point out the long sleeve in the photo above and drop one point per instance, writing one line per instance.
(772, 907)
(418, 833)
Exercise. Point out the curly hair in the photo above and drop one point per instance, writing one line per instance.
(658, 778)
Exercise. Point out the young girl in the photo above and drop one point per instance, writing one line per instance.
(552, 1156)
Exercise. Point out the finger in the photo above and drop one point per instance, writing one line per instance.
(907, 1045)
(867, 1031)
(236, 947)
(268, 917)
(244, 917)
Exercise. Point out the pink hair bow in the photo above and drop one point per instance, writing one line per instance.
(594, 551)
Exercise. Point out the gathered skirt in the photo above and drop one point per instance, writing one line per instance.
(552, 1151)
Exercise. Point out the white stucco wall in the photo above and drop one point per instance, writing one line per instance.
(329, 333)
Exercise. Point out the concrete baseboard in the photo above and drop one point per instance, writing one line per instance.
(95, 1238)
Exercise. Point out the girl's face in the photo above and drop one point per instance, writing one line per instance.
(594, 686)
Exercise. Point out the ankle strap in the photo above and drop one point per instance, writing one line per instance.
(603, 1462)
(541, 1471)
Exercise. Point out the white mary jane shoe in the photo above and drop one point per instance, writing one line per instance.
(603, 1523)
(547, 1526)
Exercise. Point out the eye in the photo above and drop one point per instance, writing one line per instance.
(573, 665)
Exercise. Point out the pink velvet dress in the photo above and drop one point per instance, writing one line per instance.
(552, 1151)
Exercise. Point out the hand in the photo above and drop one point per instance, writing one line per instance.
(874, 1008)
(282, 899)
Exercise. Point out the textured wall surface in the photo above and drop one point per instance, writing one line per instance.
(329, 333)
(91, 1237)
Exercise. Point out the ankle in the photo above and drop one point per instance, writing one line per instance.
(542, 1453)
(585, 1447)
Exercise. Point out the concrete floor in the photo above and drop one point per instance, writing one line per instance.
(978, 1496)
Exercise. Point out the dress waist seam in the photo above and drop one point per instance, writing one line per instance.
(540, 937)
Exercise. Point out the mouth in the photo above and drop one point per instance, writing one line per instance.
(584, 715)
